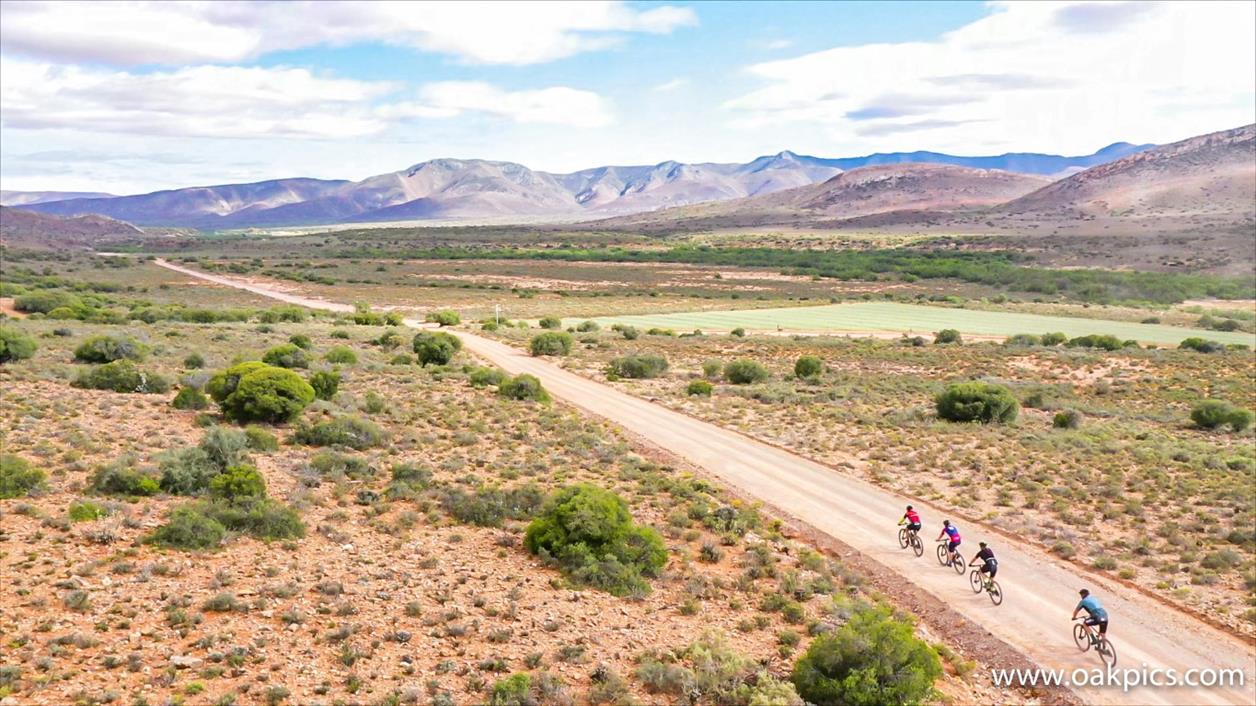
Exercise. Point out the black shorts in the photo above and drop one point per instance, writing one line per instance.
(990, 567)
(1102, 624)
(913, 527)
(952, 545)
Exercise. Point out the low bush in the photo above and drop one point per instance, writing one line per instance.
(947, 335)
(638, 366)
(699, 388)
(122, 478)
(340, 355)
(489, 507)
(523, 387)
(588, 327)
(204, 524)
(336, 465)
(259, 439)
(590, 534)
(551, 343)
(874, 658)
(808, 367)
(1102, 341)
(286, 356)
(711, 369)
(121, 376)
(301, 341)
(18, 478)
(483, 377)
(1067, 419)
(325, 384)
(738, 332)
(189, 398)
(106, 349)
(1213, 414)
(1053, 339)
(42, 302)
(977, 402)
(238, 482)
(630, 333)
(1023, 339)
(225, 447)
(346, 430)
(745, 372)
(436, 348)
(515, 690)
(15, 345)
(445, 317)
(186, 471)
(86, 511)
(189, 529)
(1195, 343)
(257, 392)
(550, 322)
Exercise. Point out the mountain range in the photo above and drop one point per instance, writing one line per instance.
(454, 189)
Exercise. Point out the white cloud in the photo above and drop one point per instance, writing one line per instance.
(671, 85)
(557, 105)
(1037, 76)
(198, 32)
(203, 101)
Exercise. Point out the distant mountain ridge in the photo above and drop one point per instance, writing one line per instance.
(18, 226)
(26, 198)
(457, 189)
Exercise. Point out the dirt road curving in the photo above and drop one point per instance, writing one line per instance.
(1040, 590)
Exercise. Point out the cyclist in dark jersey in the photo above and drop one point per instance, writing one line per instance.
(985, 557)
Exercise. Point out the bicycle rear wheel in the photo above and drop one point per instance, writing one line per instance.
(1106, 651)
(974, 580)
(996, 593)
(917, 545)
(903, 538)
(1081, 637)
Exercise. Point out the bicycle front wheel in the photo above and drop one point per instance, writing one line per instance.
(974, 580)
(1106, 651)
(1081, 637)
(902, 539)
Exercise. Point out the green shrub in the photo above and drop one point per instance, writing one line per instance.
(483, 377)
(745, 372)
(588, 327)
(523, 387)
(325, 383)
(1053, 339)
(189, 398)
(340, 355)
(630, 333)
(106, 349)
(1067, 419)
(189, 529)
(514, 690)
(186, 471)
(45, 301)
(260, 518)
(286, 356)
(346, 430)
(336, 465)
(656, 331)
(808, 367)
(301, 341)
(122, 478)
(699, 388)
(238, 482)
(1102, 341)
(86, 511)
(738, 332)
(551, 343)
(550, 322)
(590, 534)
(225, 447)
(1212, 414)
(259, 439)
(121, 376)
(977, 402)
(436, 348)
(445, 317)
(489, 507)
(1023, 339)
(711, 369)
(15, 345)
(638, 366)
(388, 340)
(257, 392)
(1196, 343)
(947, 335)
(18, 478)
(872, 660)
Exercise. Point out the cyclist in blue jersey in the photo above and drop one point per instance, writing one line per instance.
(1096, 616)
(952, 533)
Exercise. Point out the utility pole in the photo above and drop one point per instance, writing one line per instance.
(497, 314)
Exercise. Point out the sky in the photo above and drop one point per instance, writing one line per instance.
(133, 97)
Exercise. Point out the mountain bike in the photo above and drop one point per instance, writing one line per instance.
(911, 538)
(1086, 637)
(945, 558)
(980, 583)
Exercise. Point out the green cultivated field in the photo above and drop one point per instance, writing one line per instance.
(916, 319)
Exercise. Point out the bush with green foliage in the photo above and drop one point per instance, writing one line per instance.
(638, 366)
(872, 660)
(1213, 414)
(86, 511)
(491, 506)
(325, 384)
(550, 322)
(1053, 339)
(189, 529)
(301, 341)
(122, 478)
(258, 439)
(15, 345)
(551, 343)
(1023, 339)
(336, 465)
(436, 348)
(701, 388)
(257, 392)
(977, 402)
(738, 332)
(204, 524)
(710, 666)
(186, 471)
(345, 430)
(106, 349)
(808, 367)
(121, 376)
(238, 482)
(286, 355)
(588, 327)
(194, 361)
(947, 335)
(483, 377)
(1195, 343)
(523, 387)
(388, 340)
(18, 478)
(1102, 341)
(340, 355)
(745, 372)
(589, 533)
(189, 398)
(515, 690)
(444, 317)
(1067, 419)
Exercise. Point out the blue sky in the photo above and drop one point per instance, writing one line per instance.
(136, 97)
